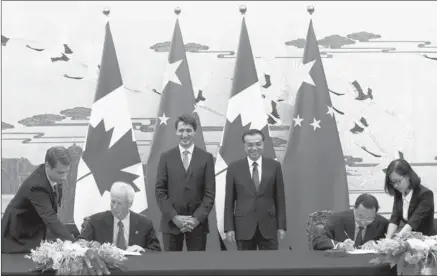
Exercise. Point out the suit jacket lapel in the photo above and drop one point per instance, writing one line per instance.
(265, 174)
(176, 155)
(193, 164)
(247, 169)
(109, 233)
(350, 225)
(132, 229)
(371, 229)
(413, 201)
(49, 188)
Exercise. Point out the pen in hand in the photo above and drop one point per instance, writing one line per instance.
(347, 235)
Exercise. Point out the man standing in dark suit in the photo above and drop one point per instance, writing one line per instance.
(33, 210)
(120, 226)
(355, 228)
(255, 200)
(185, 190)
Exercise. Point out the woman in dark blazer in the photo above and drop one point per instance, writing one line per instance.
(413, 202)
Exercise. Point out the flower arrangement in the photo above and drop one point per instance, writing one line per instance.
(68, 258)
(413, 250)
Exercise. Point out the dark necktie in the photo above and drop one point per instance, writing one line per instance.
(185, 159)
(56, 194)
(121, 241)
(255, 175)
(359, 238)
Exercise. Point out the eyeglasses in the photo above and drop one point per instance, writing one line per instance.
(396, 182)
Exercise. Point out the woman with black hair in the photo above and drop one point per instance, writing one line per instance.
(413, 203)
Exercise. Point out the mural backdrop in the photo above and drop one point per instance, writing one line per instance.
(380, 60)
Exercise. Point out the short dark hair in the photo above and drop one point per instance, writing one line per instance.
(186, 119)
(252, 132)
(368, 201)
(57, 155)
(403, 168)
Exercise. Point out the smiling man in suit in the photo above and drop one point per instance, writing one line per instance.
(120, 226)
(185, 190)
(255, 200)
(362, 224)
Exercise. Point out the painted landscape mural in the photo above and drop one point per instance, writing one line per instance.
(382, 77)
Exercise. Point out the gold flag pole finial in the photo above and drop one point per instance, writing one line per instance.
(310, 10)
(243, 9)
(106, 11)
(177, 11)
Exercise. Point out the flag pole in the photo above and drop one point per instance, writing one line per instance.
(106, 11)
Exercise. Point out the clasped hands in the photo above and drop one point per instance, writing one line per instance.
(185, 223)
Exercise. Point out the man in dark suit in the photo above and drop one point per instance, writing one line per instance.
(255, 189)
(185, 190)
(355, 228)
(33, 210)
(120, 226)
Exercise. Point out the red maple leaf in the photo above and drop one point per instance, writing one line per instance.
(106, 163)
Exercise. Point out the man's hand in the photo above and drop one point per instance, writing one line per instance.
(191, 223)
(369, 245)
(180, 221)
(135, 248)
(281, 234)
(94, 264)
(347, 245)
(230, 236)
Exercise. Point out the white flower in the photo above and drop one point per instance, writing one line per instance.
(419, 245)
(431, 242)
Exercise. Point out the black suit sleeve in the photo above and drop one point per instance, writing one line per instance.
(326, 239)
(384, 228)
(87, 232)
(161, 190)
(426, 204)
(395, 214)
(152, 242)
(40, 200)
(280, 199)
(205, 207)
(229, 201)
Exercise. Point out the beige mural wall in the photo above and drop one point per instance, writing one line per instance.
(379, 58)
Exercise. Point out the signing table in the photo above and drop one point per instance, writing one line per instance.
(230, 263)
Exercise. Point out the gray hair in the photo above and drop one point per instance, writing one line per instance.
(124, 188)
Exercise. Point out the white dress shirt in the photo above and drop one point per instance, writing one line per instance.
(259, 162)
(190, 153)
(406, 204)
(126, 224)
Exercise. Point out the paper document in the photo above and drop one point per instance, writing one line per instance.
(362, 251)
(126, 253)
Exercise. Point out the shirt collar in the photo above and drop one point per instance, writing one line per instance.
(258, 161)
(408, 196)
(190, 149)
(125, 220)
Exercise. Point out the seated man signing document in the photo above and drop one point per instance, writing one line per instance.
(352, 229)
(120, 226)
